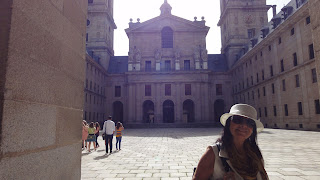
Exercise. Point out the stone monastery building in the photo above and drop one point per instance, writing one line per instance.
(169, 79)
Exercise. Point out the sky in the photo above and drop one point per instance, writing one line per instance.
(187, 9)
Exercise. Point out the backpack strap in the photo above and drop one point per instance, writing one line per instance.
(223, 159)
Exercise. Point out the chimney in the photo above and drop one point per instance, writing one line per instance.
(274, 9)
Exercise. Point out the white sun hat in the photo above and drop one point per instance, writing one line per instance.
(244, 110)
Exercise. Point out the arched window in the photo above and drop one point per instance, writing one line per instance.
(167, 37)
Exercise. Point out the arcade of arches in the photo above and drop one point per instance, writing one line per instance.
(168, 111)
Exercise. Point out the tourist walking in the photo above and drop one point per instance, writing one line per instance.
(108, 130)
(91, 136)
(119, 129)
(97, 126)
(84, 134)
(235, 155)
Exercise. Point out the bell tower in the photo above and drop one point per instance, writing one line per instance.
(239, 22)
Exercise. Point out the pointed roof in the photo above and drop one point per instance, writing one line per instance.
(165, 8)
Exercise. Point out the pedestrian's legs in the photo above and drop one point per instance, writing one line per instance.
(120, 143)
(117, 138)
(110, 137)
(97, 140)
(106, 142)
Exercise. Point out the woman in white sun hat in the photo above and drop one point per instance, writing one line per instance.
(236, 155)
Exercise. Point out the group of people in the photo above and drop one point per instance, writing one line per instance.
(234, 156)
(91, 132)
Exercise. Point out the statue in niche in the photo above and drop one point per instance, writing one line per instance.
(204, 54)
(131, 54)
(137, 54)
(157, 54)
(196, 54)
(177, 53)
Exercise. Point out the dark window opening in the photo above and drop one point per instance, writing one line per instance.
(282, 66)
(311, 51)
(317, 106)
(292, 31)
(187, 65)
(167, 37)
(271, 70)
(272, 86)
(218, 89)
(117, 91)
(283, 85)
(314, 75)
(297, 80)
(167, 65)
(300, 108)
(147, 90)
(286, 112)
(168, 89)
(148, 66)
(308, 20)
(295, 59)
(274, 110)
(187, 89)
(300, 125)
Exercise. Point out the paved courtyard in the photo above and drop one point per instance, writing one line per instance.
(173, 153)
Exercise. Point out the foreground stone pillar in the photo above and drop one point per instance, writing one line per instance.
(42, 63)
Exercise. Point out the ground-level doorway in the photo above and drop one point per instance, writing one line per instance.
(168, 111)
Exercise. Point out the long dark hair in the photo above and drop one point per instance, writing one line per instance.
(118, 125)
(226, 139)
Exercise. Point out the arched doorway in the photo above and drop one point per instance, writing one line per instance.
(218, 109)
(168, 111)
(117, 112)
(148, 112)
(188, 111)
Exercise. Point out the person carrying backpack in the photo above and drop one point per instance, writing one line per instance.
(236, 155)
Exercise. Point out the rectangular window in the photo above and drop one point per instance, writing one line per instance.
(262, 75)
(117, 91)
(85, 115)
(272, 86)
(187, 65)
(279, 40)
(147, 90)
(317, 106)
(248, 96)
(87, 37)
(292, 31)
(167, 90)
(167, 65)
(286, 112)
(295, 59)
(282, 66)
(265, 112)
(258, 93)
(297, 80)
(259, 112)
(264, 91)
(311, 51)
(148, 66)
(274, 110)
(283, 85)
(86, 83)
(314, 75)
(308, 20)
(300, 108)
(251, 33)
(187, 89)
(257, 77)
(218, 89)
(269, 47)
(271, 71)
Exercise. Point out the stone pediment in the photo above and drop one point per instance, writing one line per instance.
(176, 23)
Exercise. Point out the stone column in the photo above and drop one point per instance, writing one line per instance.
(42, 71)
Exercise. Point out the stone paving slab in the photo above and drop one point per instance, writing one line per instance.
(171, 154)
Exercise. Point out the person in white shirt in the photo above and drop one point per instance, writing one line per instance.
(108, 130)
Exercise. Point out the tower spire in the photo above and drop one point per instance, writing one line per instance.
(165, 8)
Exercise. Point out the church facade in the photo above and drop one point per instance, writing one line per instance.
(169, 78)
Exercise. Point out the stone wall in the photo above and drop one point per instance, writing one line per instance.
(41, 88)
